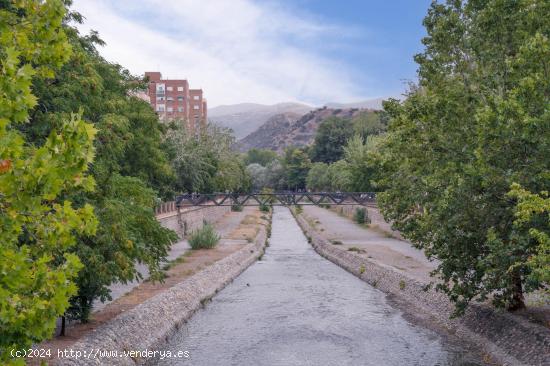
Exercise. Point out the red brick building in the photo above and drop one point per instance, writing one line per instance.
(172, 99)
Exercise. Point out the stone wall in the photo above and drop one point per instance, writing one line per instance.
(189, 219)
(508, 339)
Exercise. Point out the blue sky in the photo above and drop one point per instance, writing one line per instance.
(266, 51)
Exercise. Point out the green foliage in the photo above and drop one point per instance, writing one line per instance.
(206, 163)
(360, 215)
(37, 222)
(370, 123)
(477, 122)
(204, 238)
(362, 160)
(296, 165)
(130, 167)
(332, 135)
(237, 208)
(533, 214)
(259, 156)
(129, 233)
(318, 178)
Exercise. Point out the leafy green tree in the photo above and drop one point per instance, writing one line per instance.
(296, 165)
(369, 123)
(332, 135)
(130, 167)
(477, 122)
(259, 156)
(206, 163)
(318, 178)
(339, 177)
(258, 173)
(37, 222)
(533, 214)
(362, 162)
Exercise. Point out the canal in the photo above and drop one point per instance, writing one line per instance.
(294, 307)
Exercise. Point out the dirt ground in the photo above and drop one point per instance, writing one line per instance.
(176, 271)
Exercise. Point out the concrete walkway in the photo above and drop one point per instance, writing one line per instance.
(374, 244)
(224, 227)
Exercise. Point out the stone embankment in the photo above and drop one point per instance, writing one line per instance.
(150, 324)
(185, 220)
(506, 339)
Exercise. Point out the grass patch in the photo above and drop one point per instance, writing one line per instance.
(336, 242)
(204, 238)
(362, 269)
(402, 285)
(357, 250)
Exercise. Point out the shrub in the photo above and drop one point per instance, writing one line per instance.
(360, 215)
(264, 208)
(236, 208)
(204, 238)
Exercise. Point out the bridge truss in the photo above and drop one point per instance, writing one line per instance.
(276, 199)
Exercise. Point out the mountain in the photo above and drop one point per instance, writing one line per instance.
(245, 118)
(291, 129)
(365, 104)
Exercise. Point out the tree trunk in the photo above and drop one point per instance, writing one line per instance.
(62, 332)
(516, 299)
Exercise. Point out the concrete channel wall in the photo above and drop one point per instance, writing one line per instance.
(148, 326)
(188, 219)
(507, 339)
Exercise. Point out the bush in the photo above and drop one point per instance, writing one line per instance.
(236, 208)
(264, 208)
(360, 215)
(204, 238)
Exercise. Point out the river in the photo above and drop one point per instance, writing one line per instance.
(294, 307)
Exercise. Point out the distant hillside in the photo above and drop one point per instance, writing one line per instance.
(365, 104)
(289, 129)
(245, 118)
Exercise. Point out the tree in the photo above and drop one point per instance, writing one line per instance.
(362, 162)
(130, 167)
(37, 222)
(339, 178)
(369, 123)
(331, 137)
(259, 156)
(476, 123)
(296, 165)
(206, 163)
(533, 214)
(318, 177)
(258, 173)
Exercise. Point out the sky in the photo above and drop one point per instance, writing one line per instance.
(263, 51)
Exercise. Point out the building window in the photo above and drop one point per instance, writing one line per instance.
(170, 109)
(180, 99)
(160, 89)
(160, 99)
(180, 88)
(169, 88)
(160, 107)
(180, 109)
(170, 99)
(196, 97)
(195, 107)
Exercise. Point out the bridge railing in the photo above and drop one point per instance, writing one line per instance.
(276, 198)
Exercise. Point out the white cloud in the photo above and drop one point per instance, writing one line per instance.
(237, 51)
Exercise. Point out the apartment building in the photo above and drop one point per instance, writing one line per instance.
(172, 99)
